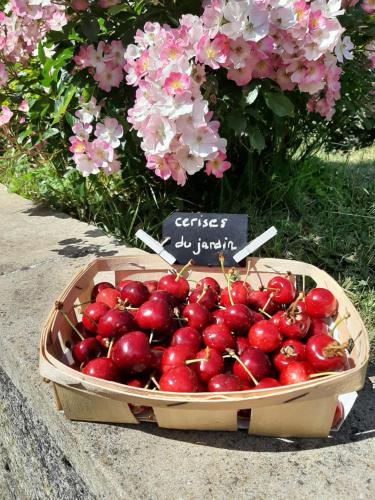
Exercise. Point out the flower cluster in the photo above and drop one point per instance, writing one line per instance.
(295, 43)
(26, 25)
(93, 145)
(105, 63)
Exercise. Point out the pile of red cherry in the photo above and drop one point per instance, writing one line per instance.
(162, 335)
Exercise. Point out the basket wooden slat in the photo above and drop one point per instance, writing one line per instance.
(304, 409)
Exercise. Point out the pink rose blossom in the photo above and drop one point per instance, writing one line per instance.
(5, 115)
(176, 83)
(218, 165)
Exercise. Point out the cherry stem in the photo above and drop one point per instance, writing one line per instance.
(267, 304)
(192, 361)
(265, 313)
(247, 271)
(336, 349)
(337, 323)
(237, 358)
(293, 305)
(229, 285)
(82, 304)
(110, 348)
(186, 266)
(155, 382)
(323, 374)
(71, 325)
(205, 288)
(151, 338)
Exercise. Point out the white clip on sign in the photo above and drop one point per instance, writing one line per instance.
(255, 244)
(155, 246)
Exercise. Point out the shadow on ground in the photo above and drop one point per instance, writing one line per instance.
(360, 425)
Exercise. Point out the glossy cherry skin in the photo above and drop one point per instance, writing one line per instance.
(239, 292)
(257, 316)
(177, 286)
(256, 362)
(281, 289)
(122, 284)
(86, 350)
(296, 372)
(265, 336)
(155, 315)
(290, 350)
(197, 316)
(115, 323)
(212, 364)
(224, 382)
(135, 294)
(320, 303)
(211, 282)
(318, 327)
(102, 368)
(238, 318)
(83, 331)
(157, 355)
(179, 379)
(131, 352)
(99, 287)
(205, 296)
(175, 356)
(339, 414)
(187, 336)
(294, 327)
(258, 299)
(275, 319)
(162, 295)
(218, 337)
(267, 383)
(109, 296)
(323, 355)
(92, 315)
(242, 344)
(151, 285)
(217, 317)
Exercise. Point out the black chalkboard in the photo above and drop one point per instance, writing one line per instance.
(202, 237)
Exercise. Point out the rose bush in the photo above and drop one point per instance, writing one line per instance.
(240, 89)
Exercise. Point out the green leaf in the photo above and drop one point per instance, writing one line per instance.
(252, 95)
(41, 54)
(237, 122)
(50, 133)
(62, 105)
(279, 103)
(116, 9)
(257, 140)
(90, 28)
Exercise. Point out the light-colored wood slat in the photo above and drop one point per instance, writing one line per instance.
(202, 420)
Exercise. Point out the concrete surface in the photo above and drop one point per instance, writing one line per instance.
(44, 456)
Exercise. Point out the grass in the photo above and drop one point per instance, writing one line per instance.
(324, 210)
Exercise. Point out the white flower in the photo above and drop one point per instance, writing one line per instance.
(202, 141)
(89, 111)
(111, 131)
(188, 161)
(85, 165)
(343, 48)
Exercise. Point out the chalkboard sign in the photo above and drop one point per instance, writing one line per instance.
(202, 237)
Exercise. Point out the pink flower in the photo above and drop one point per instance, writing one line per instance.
(202, 141)
(3, 75)
(105, 4)
(77, 145)
(23, 106)
(217, 166)
(176, 83)
(100, 152)
(160, 165)
(241, 76)
(114, 53)
(108, 76)
(82, 130)
(368, 6)
(5, 115)
(213, 52)
(110, 132)
(80, 5)
(85, 164)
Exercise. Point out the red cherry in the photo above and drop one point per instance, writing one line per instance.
(294, 327)
(217, 317)
(86, 350)
(161, 295)
(109, 296)
(135, 293)
(265, 336)
(99, 287)
(155, 315)
(339, 415)
(115, 323)
(267, 383)
(187, 336)
(132, 353)
(325, 354)
(157, 355)
(122, 284)
(318, 327)
(242, 344)
(281, 289)
(276, 318)
(257, 316)
(256, 362)
(212, 364)
(238, 318)
(205, 296)
(197, 316)
(320, 303)
(239, 291)
(92, 315)
(290, 350)
(296, 372)
(177, 286)
(258, 299)
(151, 285)
(211, 282)
(224, 382)
(135, 383)
(179, 379)
(175, 356)
(218, 337)
(83, 331)
(102, 368)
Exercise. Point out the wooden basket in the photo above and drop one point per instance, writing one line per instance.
(301, 410)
